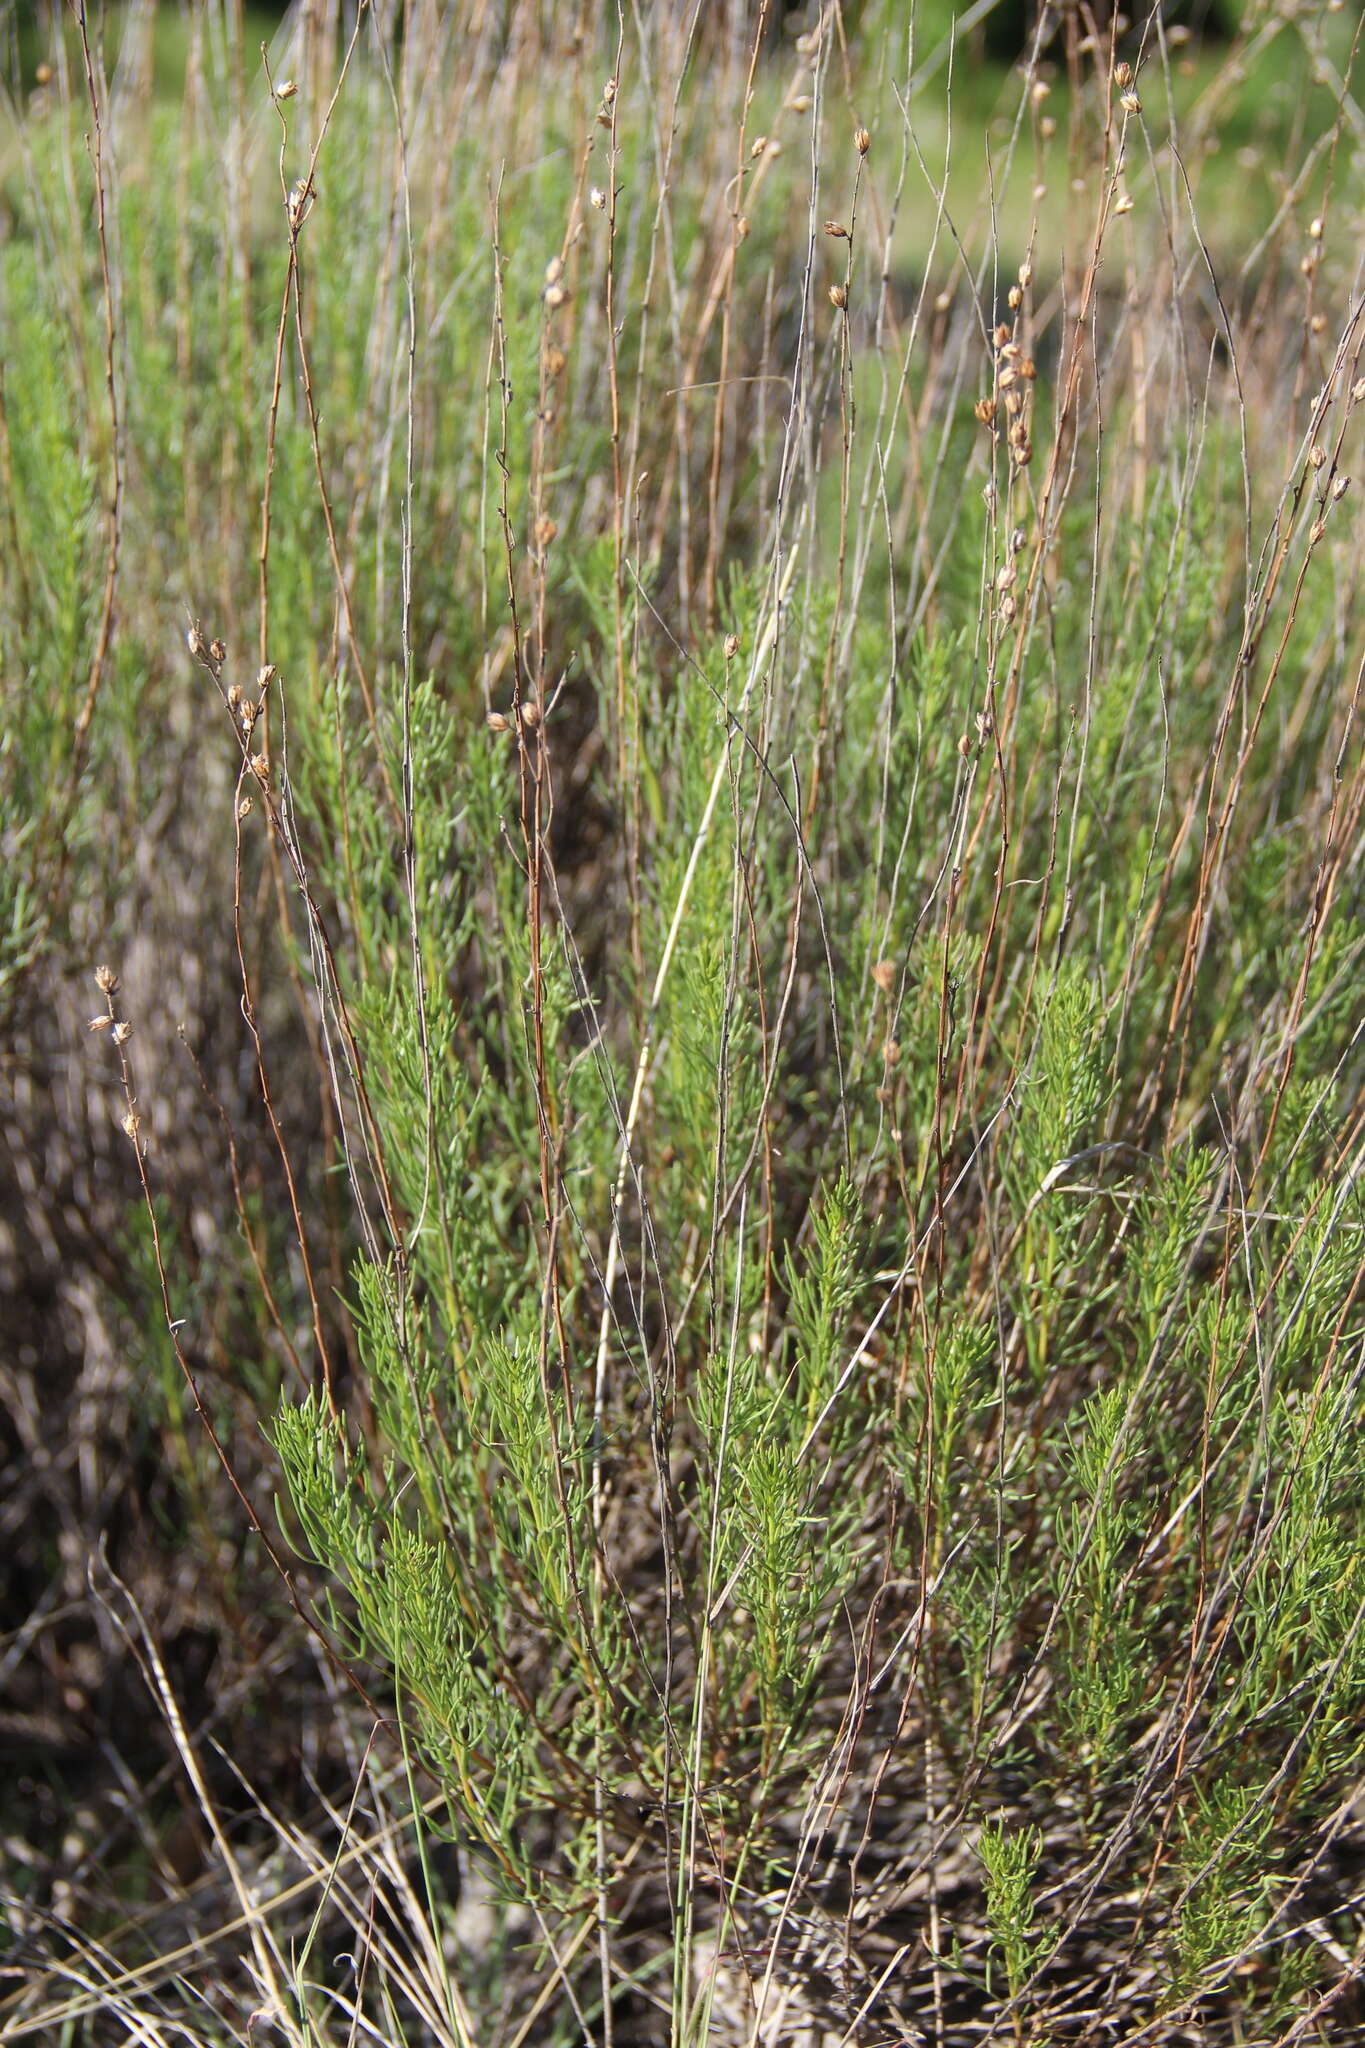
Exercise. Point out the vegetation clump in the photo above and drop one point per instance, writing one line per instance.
(680, 937)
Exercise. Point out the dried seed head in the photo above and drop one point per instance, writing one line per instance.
(891, 1052)
(244, 808)
(862, 141)
(1123, 76)
(731, 646)
(1015, 298)
(964, 747)
(1318, 324)
(555, 360)
(123, 1031)
(1008, 607)
(1316, 532)
(286, 89)
(1001, 336)
(545, 531)
(260, 766)
(218, 652)
(943, 303)
(801, 104)
(884, 975)
(131, 1125)
(1358, 390)
(1315, 229)
(838, 297)
(106, 981)
(530, 714)
(757, 147)
(1124, 203)
(196, 642)
(1317, 456)
(1025, 275)
(1018, 541)
(1130, 103)
(555, 297)
(100, 1023)
(1340, 486)
(1039, 91)
(597, 199)
(554, 270)
(1047, 128)
(1309, 263)
(496, 722)
(266, 676)
(985, 411)
(609, 93)
(837, 229)
(234, 698)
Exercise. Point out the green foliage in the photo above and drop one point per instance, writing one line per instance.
(1011, 1858)
(799, 973)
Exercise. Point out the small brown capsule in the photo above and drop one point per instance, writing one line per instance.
(862, 141)
(838, 297)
